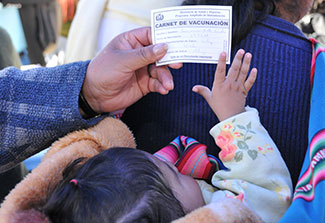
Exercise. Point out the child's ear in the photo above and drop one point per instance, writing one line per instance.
(29, 216)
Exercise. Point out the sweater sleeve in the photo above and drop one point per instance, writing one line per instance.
(37, 107)
(256, 173)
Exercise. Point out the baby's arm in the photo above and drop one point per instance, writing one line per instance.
(228, 95)
(257, 174)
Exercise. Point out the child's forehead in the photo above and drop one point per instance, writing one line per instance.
(166, 167)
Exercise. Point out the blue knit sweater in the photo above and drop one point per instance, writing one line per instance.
(37, 107)
(281, 93)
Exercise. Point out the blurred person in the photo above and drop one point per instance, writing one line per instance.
(68, 8)
(41, 24)
(10, 21)
(96, 22)
(313, 24)
(8, 54)
(9, 57)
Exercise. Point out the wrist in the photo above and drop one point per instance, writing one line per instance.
(85, 109)
(228, 114)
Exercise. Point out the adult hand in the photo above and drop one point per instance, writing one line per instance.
(118, 76)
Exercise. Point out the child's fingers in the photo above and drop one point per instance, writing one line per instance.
(250, 80)
(244, 68)
(235, 66)
(203, 91)
(220, 74)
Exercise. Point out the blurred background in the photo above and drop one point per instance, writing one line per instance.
(47, 46)
(313, 24)
(38, 28)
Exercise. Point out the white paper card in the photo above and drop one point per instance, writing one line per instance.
(194, 34)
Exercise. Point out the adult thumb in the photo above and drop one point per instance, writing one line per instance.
(144, 56)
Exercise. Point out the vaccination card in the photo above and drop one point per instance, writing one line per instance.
(194, 34)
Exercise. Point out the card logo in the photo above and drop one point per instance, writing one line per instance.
(159, 17)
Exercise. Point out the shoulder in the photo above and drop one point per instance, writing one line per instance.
(279, 30)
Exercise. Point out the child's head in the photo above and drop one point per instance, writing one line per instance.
(122, 185)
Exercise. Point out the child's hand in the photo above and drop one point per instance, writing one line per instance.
(228, 95)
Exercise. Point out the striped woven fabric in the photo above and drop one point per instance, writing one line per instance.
(308, 201)
(190, 157)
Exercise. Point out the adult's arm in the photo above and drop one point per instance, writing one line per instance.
(38, 106)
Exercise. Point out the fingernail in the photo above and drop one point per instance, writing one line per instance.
(248, 55)
(241, 51)
(164, 91)
(160, 49)
(169, 85)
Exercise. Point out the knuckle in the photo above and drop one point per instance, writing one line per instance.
(234, 86)
(250, 81)
(236, 68)
(229, 86)
(128, 38)
(156, 72)
(143, 54)
(221, 69)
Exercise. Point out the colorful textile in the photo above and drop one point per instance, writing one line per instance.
(252, 169)
(309, 197)
(190, 157)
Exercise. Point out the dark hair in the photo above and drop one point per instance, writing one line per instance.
(243, 16)
(117, 185)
